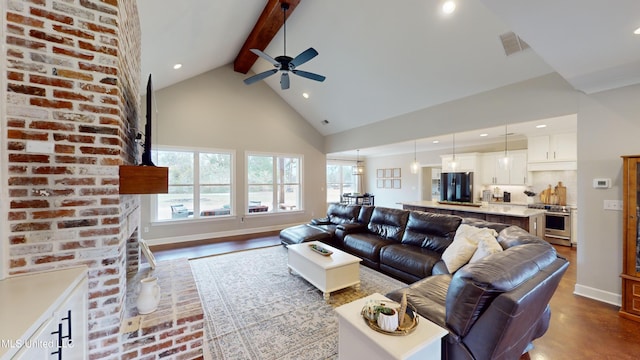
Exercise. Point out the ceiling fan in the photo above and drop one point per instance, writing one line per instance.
(284, 63)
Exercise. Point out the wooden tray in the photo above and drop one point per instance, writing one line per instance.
(410, 323)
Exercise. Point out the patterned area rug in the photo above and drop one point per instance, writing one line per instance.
(255, 309)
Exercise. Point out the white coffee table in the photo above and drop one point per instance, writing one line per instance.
(358, 341)
(326, 273)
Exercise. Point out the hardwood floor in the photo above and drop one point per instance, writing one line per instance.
(580, 328)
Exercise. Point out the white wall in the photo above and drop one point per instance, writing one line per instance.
(217, 110)
(608, 127)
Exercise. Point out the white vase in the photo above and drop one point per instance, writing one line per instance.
(149, 296)
(388, 322)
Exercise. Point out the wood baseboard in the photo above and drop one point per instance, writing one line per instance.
(244, 237)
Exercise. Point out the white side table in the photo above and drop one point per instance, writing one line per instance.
(358, 341)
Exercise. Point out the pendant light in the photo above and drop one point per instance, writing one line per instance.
(358, 169)
(504, 162)
(454, 164)
(415, 165)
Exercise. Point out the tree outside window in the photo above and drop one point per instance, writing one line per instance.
(273, 183)
(340, 180)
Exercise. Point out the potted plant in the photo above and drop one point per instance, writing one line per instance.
(387, 318)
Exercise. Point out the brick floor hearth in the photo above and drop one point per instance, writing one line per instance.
(176, 329)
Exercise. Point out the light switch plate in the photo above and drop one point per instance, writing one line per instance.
(615, 205)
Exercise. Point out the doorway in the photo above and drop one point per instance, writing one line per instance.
(430, 183)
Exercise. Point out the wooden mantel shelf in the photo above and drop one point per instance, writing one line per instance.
(144, 179)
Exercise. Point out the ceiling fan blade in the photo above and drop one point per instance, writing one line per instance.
(309, 75)
(258, 77)
(305, 56)
(265, 56)
(284, 81)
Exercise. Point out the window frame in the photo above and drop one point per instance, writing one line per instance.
(196, 151)
(342, 164)
(275, 209)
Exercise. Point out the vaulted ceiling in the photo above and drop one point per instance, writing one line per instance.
(387, 58)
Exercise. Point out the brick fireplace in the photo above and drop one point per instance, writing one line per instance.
(70, 107)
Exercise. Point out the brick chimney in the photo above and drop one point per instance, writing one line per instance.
(69, 109)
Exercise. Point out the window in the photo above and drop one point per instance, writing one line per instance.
(340, 180)
(273, 179)
(199, 184)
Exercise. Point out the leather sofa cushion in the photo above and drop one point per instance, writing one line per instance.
(388, 223)
(410, 259)
(428, 296)
(303, 233)
(343, 214)
(365, 245)
(486, 279)
(432, 231)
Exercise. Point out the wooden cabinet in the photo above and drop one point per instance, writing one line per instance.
(631, 238)
(514, 174)
(553, 152)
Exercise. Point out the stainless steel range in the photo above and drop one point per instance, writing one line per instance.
(557, 223)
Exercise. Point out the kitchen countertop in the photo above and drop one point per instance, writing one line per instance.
(492, 208)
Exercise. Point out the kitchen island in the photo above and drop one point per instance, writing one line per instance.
(531, 220)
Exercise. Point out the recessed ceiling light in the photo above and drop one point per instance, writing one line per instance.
(305, 95)
(448, 7)
(541, 126)
(177, 66)
(436, 141)
(484, 135)
(637, 31)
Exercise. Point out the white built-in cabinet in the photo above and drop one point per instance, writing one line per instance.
(553, 152)
(514, 174)
(463, 162)
(45, 315)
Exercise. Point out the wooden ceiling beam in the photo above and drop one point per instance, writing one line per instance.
(267, 26)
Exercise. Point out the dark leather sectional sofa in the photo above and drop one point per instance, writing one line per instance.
(493, 308)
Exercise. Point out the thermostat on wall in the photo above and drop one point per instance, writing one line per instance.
(601, 183)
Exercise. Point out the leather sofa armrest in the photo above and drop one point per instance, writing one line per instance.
(352, 228)
(440, 268)
(320, 221)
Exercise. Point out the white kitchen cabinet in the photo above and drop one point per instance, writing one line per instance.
(553, 152)
(435, 173)
(492, 172)
(518, 173)
(514, 174)
(464, 163)
(48, 315)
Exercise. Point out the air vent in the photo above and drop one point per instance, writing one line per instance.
(512, 43)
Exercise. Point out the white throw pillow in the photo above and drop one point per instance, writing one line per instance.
(464, 245)
(487, 245)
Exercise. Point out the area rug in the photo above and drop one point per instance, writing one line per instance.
(255, 309)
